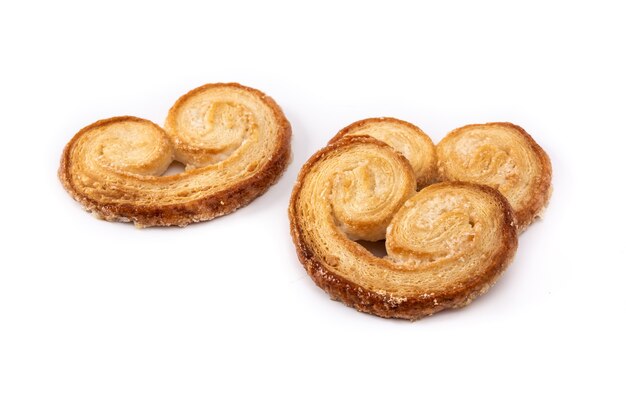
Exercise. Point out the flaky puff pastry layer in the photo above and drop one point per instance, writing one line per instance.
(234, 141)
(446, 244)
(502, 156)
(406, 138)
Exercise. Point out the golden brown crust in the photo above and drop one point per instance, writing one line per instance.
(415, 279)
(503, 156)
(132, 190)
(404, 137)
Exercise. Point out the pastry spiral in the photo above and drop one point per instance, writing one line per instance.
(404, 137)
(446, 244)
(234, 141)
(502, 156)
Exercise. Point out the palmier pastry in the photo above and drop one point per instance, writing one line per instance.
(502, 156)
(405, 138)
(446, 244)
(234, 141)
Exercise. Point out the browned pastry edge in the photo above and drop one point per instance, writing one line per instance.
(207, 208)
(541, 193)
(424, 180)
(340, 288)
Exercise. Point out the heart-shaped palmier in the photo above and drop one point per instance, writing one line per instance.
(446, 244)
(234, 141)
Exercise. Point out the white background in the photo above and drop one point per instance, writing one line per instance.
(219, 318)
